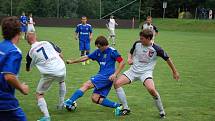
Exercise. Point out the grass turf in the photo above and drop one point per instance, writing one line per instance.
(190, 99)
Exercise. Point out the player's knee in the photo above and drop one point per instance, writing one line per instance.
(86, 85)
(95, 99)
(117, 84)
(152, 91)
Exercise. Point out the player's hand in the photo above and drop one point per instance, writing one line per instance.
(91, 38)
(176, 76)
(113, 77)
(68, 61)
(24, 89)
(76, 38)
(130, 61)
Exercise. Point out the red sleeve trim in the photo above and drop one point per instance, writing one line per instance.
(119, 59)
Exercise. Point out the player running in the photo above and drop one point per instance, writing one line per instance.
(47, 58)
(84, 33)
(24, 21)
(10, 62)
(31, 24)
(102, 82)
(142, 58)
(148, 25)
(111, 27)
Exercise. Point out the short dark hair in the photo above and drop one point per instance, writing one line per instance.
(147, 33)
(101, 40)
(10, 27)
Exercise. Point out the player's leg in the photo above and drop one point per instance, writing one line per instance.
(88, 50)
(79, 93)
(149, 84)
(113, 37)
(43, 86)
(62, 91)
(82, 49)
(98, 99)
(124, 79)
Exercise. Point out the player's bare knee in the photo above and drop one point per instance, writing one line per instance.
(95, 98)
(39, 95)
(152, 91)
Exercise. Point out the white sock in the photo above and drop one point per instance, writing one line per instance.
(122, 97)
(62, 92)
(43, 107)
(158, 103)
(113, 40)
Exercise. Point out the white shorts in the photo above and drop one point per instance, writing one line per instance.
(46, 81)
(133, 76)
(31, 28)
(111, 32)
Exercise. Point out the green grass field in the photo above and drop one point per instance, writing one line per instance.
(190, 99)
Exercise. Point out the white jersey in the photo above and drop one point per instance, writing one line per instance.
(111, 24)
(31, 20)
(150, 27)
(31, 25)
(144, 57)
(44, 55)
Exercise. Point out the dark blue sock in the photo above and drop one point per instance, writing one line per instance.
(78, 93)
(109, 103)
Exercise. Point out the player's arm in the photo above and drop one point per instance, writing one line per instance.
(57, 49)
(76, 35)
(28, 62)
(11, 69)
(91, 33)
(163, 54)
(173, 68)
(156, 29)
(77, 32)
(81, 59)
(130, 54)
(121, 65)
(13, 81)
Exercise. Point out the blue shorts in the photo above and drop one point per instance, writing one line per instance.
(102, 85)
(23, 28)
(84, 45)
(13, 115)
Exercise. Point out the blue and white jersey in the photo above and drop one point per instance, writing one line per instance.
(144, 57)
(106, 60)
(10, 62)
(23, 20)
(84, 31)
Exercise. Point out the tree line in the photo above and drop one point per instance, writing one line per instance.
(91, 8)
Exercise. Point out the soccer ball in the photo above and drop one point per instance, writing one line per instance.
(72, 107)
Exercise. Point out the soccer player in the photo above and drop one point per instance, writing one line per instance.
(148, 25)
(84, 33)
(142, 58)
(102, 82)
(10, 62)
(24, 22)
(47, 58)
(31, 24)
(111, 27)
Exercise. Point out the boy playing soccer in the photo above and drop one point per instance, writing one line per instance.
(102, 82)
(84, 33)
(142, 58)
(48, 59)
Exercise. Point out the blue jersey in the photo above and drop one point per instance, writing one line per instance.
(84, 31)
(24, 20)
(10, 62)
(106, 60)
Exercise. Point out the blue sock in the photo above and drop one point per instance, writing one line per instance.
(78, 93)
(109, 103)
